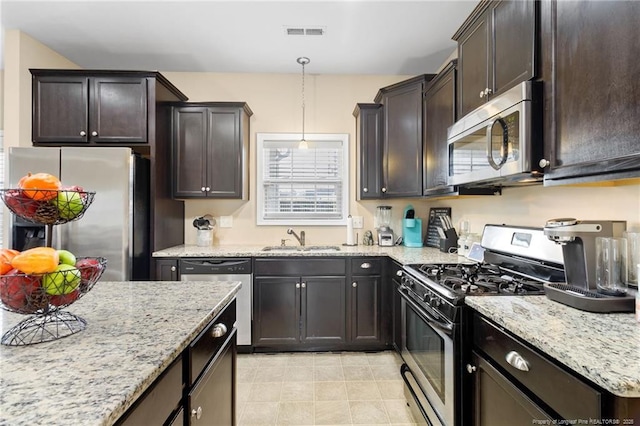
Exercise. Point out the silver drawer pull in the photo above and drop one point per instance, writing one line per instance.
(196, 413)
(399, 273)
(365, 265)
(219, 330)
(516, 360)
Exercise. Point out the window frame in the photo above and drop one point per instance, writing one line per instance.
(295, 138)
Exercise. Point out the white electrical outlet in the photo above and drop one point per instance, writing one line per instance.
(226, 221)
(358, 222)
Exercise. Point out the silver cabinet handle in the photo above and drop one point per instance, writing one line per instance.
(304, 285)
(354, 284)
(94, 133)
(544, 163)
(516, 360)
(366, 265)
(471, 368)
(365, 189)
(197, 413)
(202, 189)
(208, 189)
(481, 94)
(384, 189)
(487, 91)
(219, 330)
(83, 133)
(173, 269)
(297, 285)
(399, 273)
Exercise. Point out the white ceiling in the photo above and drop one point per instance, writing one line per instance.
(361, 37)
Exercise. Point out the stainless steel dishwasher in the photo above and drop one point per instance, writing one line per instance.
(226, 269)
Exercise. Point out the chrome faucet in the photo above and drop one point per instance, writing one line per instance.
(300, 238)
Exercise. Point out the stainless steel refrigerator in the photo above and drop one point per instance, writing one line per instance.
(116, 225)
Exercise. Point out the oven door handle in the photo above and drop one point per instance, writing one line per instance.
(403, 371)
(445, 327)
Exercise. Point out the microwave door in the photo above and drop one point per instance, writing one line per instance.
(516, 123)
(468, 157)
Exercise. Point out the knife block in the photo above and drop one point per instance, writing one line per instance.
(450, 243)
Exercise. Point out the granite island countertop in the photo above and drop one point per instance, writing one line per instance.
(401, 254)
(604, 348)
(135, 331)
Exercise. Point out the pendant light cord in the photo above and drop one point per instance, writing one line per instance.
(303, 61)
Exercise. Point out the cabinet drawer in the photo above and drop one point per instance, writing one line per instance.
(300, 266)
(206, 345)
(159, 401)
(567, 395)
(366, 266)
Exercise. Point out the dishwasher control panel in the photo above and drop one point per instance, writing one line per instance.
(202, 266)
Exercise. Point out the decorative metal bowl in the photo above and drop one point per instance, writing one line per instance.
(47, 206)
(42, 297)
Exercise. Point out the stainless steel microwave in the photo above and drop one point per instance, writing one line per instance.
(500, 142)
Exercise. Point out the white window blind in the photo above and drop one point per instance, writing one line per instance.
(302, 186)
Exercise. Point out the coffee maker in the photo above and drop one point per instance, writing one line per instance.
(578, 240)
(411, 228)
(385, 233)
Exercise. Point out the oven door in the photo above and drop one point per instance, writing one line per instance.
(427, 349)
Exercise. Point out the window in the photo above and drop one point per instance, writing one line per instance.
(302, 186)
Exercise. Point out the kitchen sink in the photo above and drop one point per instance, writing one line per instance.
(301, 248)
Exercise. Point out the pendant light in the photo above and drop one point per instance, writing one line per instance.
(303, 60)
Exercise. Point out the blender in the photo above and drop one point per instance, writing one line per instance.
(385, 233)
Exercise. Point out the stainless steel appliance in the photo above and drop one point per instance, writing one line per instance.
(499, 143)
(385, 233)
(516, 261)
(116, 226)
(226, 269)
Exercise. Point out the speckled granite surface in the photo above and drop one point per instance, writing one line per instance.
(404, 255)
(604, 348)
(134, 331)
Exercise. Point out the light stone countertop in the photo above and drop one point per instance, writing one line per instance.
(604, 348)
(401, 254)
(135, 330)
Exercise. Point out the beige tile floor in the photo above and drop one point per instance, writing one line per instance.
(321, 389)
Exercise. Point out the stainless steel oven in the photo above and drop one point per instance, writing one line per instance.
(428, 350)
(499, 142)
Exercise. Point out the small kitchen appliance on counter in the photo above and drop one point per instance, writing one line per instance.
(578, 241)
(411, 228)
(204, 225)
(385, 233)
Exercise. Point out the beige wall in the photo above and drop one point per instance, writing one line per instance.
(1, 99)
(276, 103)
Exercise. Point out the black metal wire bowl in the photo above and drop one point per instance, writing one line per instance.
(47, 206)
(42, 297)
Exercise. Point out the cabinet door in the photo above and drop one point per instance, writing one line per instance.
(513, 49)
(212, 399)
(365, 308)
(118, 111)
(276, 311)
(224, 153)
(189, 152)
(323, 310)
(439, 114)
(497, 401)
(597, 120)
(473, 69)
(402, 160)
(60, 109)
(166, 270)
(396, 314)
(369, 151)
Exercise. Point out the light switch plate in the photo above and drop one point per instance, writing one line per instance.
(226, 221)
(358, 222)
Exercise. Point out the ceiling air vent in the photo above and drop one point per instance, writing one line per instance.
(300, 31)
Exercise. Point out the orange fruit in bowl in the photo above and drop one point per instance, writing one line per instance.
(40, 186)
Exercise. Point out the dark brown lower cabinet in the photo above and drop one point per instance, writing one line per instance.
(306, 312)
(365, 309)
(166, 269)
(395, 273)
(497, 401)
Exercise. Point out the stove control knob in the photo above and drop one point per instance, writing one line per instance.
(434, 301)
(399, 272)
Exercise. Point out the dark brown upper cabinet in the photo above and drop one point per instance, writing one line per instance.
(402, 138)
(590, 66)
(368, 151)
(211, 150)
(496, 50)
(97, 107)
